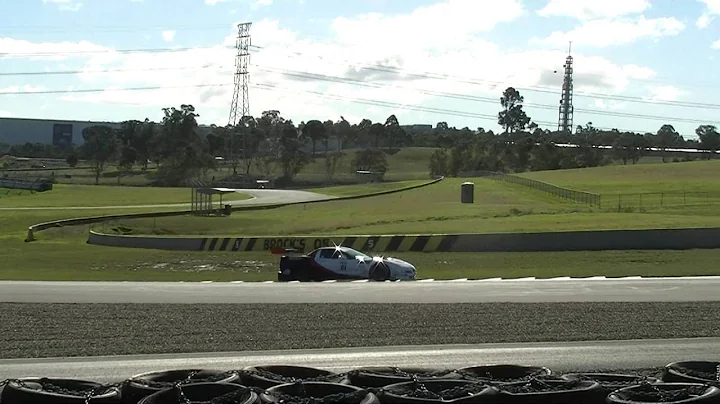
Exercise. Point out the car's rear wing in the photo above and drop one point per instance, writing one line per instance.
(285, 251)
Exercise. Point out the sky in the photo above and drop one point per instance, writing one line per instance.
(638, 64)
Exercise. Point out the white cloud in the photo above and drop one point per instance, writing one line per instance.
(609, 105)
(716, 45)
(664, 93)
(10, 47)
(704, 21)
(66, 5)
(442, 39)
(588, 9)
(168, 35)
(608, 32)
(261, 3)
(712, 6)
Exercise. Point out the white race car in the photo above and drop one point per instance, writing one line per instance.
(338, 263)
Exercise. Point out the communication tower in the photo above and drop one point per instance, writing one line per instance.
(565, 118)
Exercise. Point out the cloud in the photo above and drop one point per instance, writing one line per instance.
(609, 32)
(437, 48)
(712, 6)
(704, 21)
(10, 47)
(589, 9)
(168, 35)
(66, 5)
(609, 105)
(664, 93)
(716, 45)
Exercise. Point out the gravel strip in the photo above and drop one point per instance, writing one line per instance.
(45, 330)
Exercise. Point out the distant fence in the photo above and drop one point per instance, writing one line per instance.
(640, 201)
(30, 185)
(656, 200)
(583, 197)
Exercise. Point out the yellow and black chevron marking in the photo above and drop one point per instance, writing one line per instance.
(383, 243)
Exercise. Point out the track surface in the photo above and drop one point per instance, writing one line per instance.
(525, 291)
(259, 197)
(560, 357)
(54, 330)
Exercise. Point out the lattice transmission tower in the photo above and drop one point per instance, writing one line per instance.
(565, 115)
(242, 75)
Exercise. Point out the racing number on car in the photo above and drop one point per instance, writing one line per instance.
(343, 266)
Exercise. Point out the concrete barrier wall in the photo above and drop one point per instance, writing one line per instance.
(661, 239)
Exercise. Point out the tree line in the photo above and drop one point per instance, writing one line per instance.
(179, 151)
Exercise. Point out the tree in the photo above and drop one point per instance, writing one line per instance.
(373, 160)
(72, 160)
(100, 146)
(331, 161)
(709, 138)
(377, 131)
(512, 117)
(316, 131)
(666, 138)
(439, 163)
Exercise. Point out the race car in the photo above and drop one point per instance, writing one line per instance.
(340, 263)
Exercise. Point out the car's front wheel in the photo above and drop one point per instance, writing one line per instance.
(379, 272)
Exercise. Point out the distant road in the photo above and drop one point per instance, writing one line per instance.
(558, 356)
(259, 197)
(520, 291)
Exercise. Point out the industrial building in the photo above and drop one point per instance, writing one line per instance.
(15, 131)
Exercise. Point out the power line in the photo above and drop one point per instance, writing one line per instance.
(284, 90)
(122, 51)
(481, 82)
(361, 83)
(122, 70)
(376, 102)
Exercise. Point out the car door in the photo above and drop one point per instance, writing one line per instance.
(332, 260)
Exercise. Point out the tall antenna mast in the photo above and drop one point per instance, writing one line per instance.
(242, 80)
(242, 76)
(565, 112)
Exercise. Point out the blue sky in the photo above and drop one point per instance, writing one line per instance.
(636, 61)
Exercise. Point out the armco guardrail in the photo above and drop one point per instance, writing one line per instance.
(98, 219)
(651, 239)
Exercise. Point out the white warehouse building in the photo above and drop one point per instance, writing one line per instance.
(15, 131)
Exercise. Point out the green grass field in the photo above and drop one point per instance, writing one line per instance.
(61, 253)
(640, 178)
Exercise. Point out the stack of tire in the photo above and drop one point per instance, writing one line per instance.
(680, 382)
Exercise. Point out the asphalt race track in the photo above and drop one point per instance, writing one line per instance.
(560, 357)
(463, 291)
(259, 197)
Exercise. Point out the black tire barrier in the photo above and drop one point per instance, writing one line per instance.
(498, 384)
(685, 393)
(439, 391)
(551, 390)
(57, 391)
(704, 372)
(377, 377)
(269, 376)
(140, 386)
(610, 382)
(493, 374)
(203, 392)
(317, 392)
